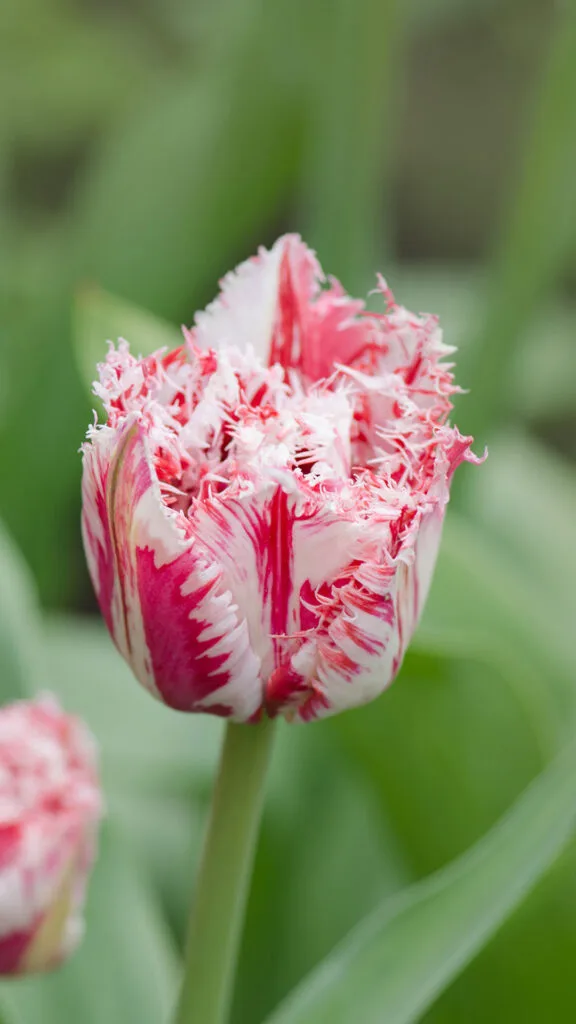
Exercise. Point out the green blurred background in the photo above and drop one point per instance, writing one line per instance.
(146, 146)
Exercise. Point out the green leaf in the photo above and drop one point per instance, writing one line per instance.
(344, 172)
(165, 832)
(543, 369)
(101, 317)
(537, 236)
(144, 743)
(19, 628)
(39, 491)
(395, 964)
(526, 972)
(447, 749)
(200, 167)
(524, 499)
(125, 969)
(478, 594)
(51, 67)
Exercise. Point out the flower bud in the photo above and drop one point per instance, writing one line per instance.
(50, 805)
(263, 507)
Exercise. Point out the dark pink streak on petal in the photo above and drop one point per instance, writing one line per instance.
(269, 531)
(315, 328)
(287, 689)
(459, 451)
(173, 622)
(334, 333)
(12, 949)
(184, 669)
(272, 537)
(279, 556)
(316, 701)
(309, 607)
(10, 840)
(286, 341)
(282, 686)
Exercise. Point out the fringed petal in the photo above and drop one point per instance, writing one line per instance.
(263, 510)
(168, 611)
(274, 549)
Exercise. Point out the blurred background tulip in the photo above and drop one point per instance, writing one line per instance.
(50, 806)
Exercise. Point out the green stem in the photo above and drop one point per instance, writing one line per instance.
(224, 878)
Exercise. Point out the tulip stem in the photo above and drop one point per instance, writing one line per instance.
(219, 903)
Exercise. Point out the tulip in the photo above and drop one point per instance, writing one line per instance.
(50, 805)
(263, 506)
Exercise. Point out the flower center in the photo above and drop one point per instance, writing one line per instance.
(214, 417)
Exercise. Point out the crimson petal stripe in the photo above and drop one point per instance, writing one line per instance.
(172, 619)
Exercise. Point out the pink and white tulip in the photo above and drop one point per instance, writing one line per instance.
(263, 507)
(50, 805)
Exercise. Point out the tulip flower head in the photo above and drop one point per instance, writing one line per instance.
(263, 507)
(50, 805)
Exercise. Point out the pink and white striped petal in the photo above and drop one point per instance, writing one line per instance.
(50, 807)
(359, 654)
(263, 509)
(277, 304)
(167, 608)
(274, 548)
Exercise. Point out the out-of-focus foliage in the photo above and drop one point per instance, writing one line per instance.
(399, 957)
(145, 148)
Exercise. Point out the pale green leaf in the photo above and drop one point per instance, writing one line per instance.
(477, 592)
(395, 964)
(19, 627)
(537, 234)
(525, 499)
(143, 742)
(101, 317)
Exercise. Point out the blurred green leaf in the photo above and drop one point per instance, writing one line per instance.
(125, 969)
(143, 742)
(165, 833)
(478, 593)
(397, 962)
(51, 66)
(43, 425)
(543, 369)
(182, 184)
(526, 972)
(447, 750)
(525, 500)
(101, 317)
(349, 135)
(537, 236)
(19, 626)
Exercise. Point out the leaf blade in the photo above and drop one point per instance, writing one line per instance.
(398, 961)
